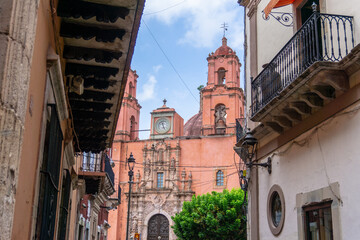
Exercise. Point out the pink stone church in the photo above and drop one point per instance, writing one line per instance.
(178, 160)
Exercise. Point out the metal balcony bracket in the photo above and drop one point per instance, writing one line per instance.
(285, 19)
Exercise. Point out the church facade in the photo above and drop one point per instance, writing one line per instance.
(178, 160)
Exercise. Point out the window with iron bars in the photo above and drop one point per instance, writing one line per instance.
(160, 180)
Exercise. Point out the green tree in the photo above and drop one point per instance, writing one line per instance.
(212, 216)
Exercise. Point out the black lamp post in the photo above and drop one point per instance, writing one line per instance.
(249, 145)
(131, 164)
(246, 153)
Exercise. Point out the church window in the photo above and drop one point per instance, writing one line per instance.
(221, 76)
(160, 180)
(219, 178)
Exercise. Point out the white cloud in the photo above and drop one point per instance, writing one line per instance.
(157, 68)
(202, 19)
(148, 89)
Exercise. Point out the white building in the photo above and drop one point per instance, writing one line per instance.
(302, 90)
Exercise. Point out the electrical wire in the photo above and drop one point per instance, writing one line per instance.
(141, 165)
(162, 10)
(169, 61)
(211, 180)
(306, 141)
(186, 166)
(196, 184)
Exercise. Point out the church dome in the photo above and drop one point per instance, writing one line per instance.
(193, 126)
(224, 49)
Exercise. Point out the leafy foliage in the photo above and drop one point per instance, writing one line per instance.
(200, 87)
(212, 216)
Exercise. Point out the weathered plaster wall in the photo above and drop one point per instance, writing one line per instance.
(74, 217)
(323, 156)
(17, 33)
(25, 208)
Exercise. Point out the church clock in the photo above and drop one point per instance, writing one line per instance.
(166, 123)
(162, 125)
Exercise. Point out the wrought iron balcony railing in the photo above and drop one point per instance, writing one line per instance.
(240, 128)
(91, 162)
(108, 169)
(323, 37)
(97, 163)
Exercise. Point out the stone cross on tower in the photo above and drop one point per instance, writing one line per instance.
(224, 26)
(164, 101)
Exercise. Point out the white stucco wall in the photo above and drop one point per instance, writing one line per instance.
(272, 36)
(302, 169)
(348, 8)
(328, 155)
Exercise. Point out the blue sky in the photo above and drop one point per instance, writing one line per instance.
(187, 31)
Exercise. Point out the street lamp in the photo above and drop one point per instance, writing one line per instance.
(131, 164)
(249, 146)
(246, 153)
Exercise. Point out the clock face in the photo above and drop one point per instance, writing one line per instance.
(162, 125)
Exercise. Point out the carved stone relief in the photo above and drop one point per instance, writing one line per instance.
(150, 200)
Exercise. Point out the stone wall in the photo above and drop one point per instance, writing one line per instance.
(17, 34)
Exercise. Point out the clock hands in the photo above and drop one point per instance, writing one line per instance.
(163, 125)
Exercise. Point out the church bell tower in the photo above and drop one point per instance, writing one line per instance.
(127, 128)
(222, 98)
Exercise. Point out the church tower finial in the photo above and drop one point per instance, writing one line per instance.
(224, 41)
(224, 26)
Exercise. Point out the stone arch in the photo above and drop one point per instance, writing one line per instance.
(150, 215)
(158, 227)
(221, 76)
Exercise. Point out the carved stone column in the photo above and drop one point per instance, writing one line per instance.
(183, 175)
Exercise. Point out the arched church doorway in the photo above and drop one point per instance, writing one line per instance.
(158, 228)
